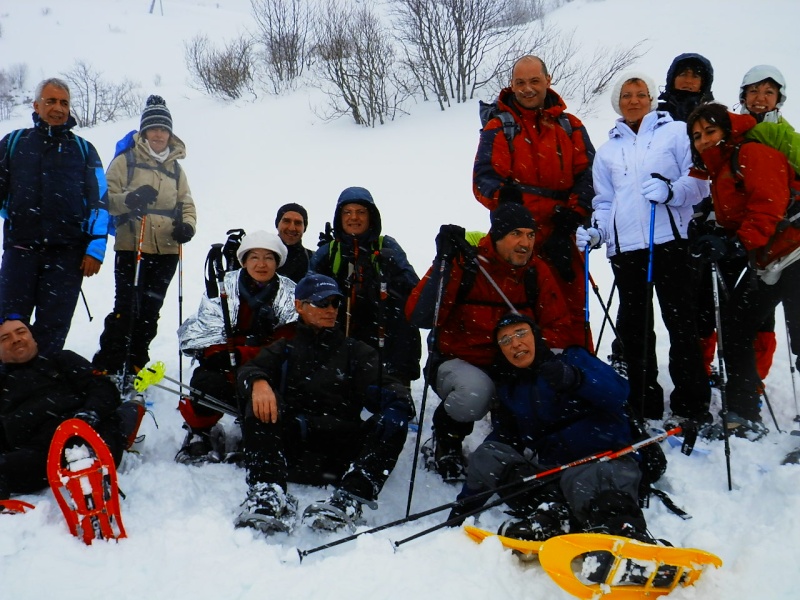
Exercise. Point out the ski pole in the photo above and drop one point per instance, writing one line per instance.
(791, 373)
(606, 306)
(86, 306)
(496, 287)
(153, 374)
(648, 306)
(134, 305)
(428, 368)
(601, 457)
(607, 455)
(586, 327)
(179, 215)
(769, 406)
(721, 366)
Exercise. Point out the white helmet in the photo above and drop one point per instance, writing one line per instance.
(758, 74)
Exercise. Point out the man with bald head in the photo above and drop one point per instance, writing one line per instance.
(37, 394)
(532, 152)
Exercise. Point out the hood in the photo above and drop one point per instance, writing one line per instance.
(358, 195)
(760, 73)
(177, 149)
(740, 125)
(700, 64)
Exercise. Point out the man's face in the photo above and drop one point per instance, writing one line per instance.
(517, 344)
(529, 83)
(516, 247)
(53, 106)
(321, 314)
(291, 228)
(17, 345)
(355, 218)
(688, 80)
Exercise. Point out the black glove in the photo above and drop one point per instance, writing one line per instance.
(558, 250)
(709, 248)
(449, 242)
(139, 198)
(182, 232)
(510, 192)
(561, 376)
(88, 416)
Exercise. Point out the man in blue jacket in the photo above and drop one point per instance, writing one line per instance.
(557, 409)
(53, 198)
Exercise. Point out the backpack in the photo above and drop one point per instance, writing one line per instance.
(13, 138)
(222, 258)
(785, 140)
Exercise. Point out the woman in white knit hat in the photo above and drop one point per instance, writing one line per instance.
(643, 203)
(258, 301)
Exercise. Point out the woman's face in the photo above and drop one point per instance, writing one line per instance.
(634, 101)
(260, 264)
(157, 137)
(688, 81)
(760, 98)
(705, 135)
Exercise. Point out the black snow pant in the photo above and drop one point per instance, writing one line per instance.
(672, 279)
(751, 302)
(48, 280)
(139, 305)
(357, 456)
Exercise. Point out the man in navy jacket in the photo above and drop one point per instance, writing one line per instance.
(53, 198)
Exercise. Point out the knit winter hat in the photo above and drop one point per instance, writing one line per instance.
(262, 239)
(155, 114)
(292, 207)
(507, 217)
(651, 88)
(758, 74)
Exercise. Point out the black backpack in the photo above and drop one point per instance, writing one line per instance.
(221, 258)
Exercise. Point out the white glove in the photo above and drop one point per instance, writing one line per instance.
(657, 190)
(589, 236)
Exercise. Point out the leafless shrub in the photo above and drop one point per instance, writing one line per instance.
(18, 73)
(284, 29)
(225, 73)
(356, 64)
(95, 100)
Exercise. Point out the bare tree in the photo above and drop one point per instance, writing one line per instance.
(284, 28)
(95, 100)
(225, 73)
(18, 73)
(356, 63)
(452, 45)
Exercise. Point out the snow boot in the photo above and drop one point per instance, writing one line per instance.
(548, 520)
(745, 428)
(444, 456)
(269, 509)
(341, 509)
(200, 446)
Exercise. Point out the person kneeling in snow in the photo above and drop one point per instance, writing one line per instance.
(37, 394)
(302, 419)
(558, 408)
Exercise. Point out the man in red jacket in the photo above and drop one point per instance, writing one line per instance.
(481, 284)
(546, 167)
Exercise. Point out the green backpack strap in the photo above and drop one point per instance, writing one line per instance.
(335, 252)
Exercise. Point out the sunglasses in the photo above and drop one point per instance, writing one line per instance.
(507, 339)
(333, 301)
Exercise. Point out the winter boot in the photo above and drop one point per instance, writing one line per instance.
(339, 510)
(597, 565)
(268, 508)
(199, 446)
(617, 360)
(548, 520)
(444, 456)
(745, 428)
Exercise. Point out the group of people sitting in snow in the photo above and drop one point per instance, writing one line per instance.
(688, 197)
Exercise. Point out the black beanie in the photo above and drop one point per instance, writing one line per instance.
(292, 207)
(156, 114)
(507, 217)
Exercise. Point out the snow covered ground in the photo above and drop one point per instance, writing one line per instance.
(245, 159)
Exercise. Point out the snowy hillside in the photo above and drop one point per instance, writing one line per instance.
(244, 160)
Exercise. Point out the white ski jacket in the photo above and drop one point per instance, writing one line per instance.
(623, 164)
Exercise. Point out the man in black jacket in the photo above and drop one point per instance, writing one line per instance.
(302, 419)
(37, 394)
(291, 223)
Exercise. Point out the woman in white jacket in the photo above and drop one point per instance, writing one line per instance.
(643, 199)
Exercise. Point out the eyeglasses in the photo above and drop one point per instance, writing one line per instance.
(518, 334)
(333, 301)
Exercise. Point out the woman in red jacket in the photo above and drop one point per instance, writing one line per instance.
(750, 187)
